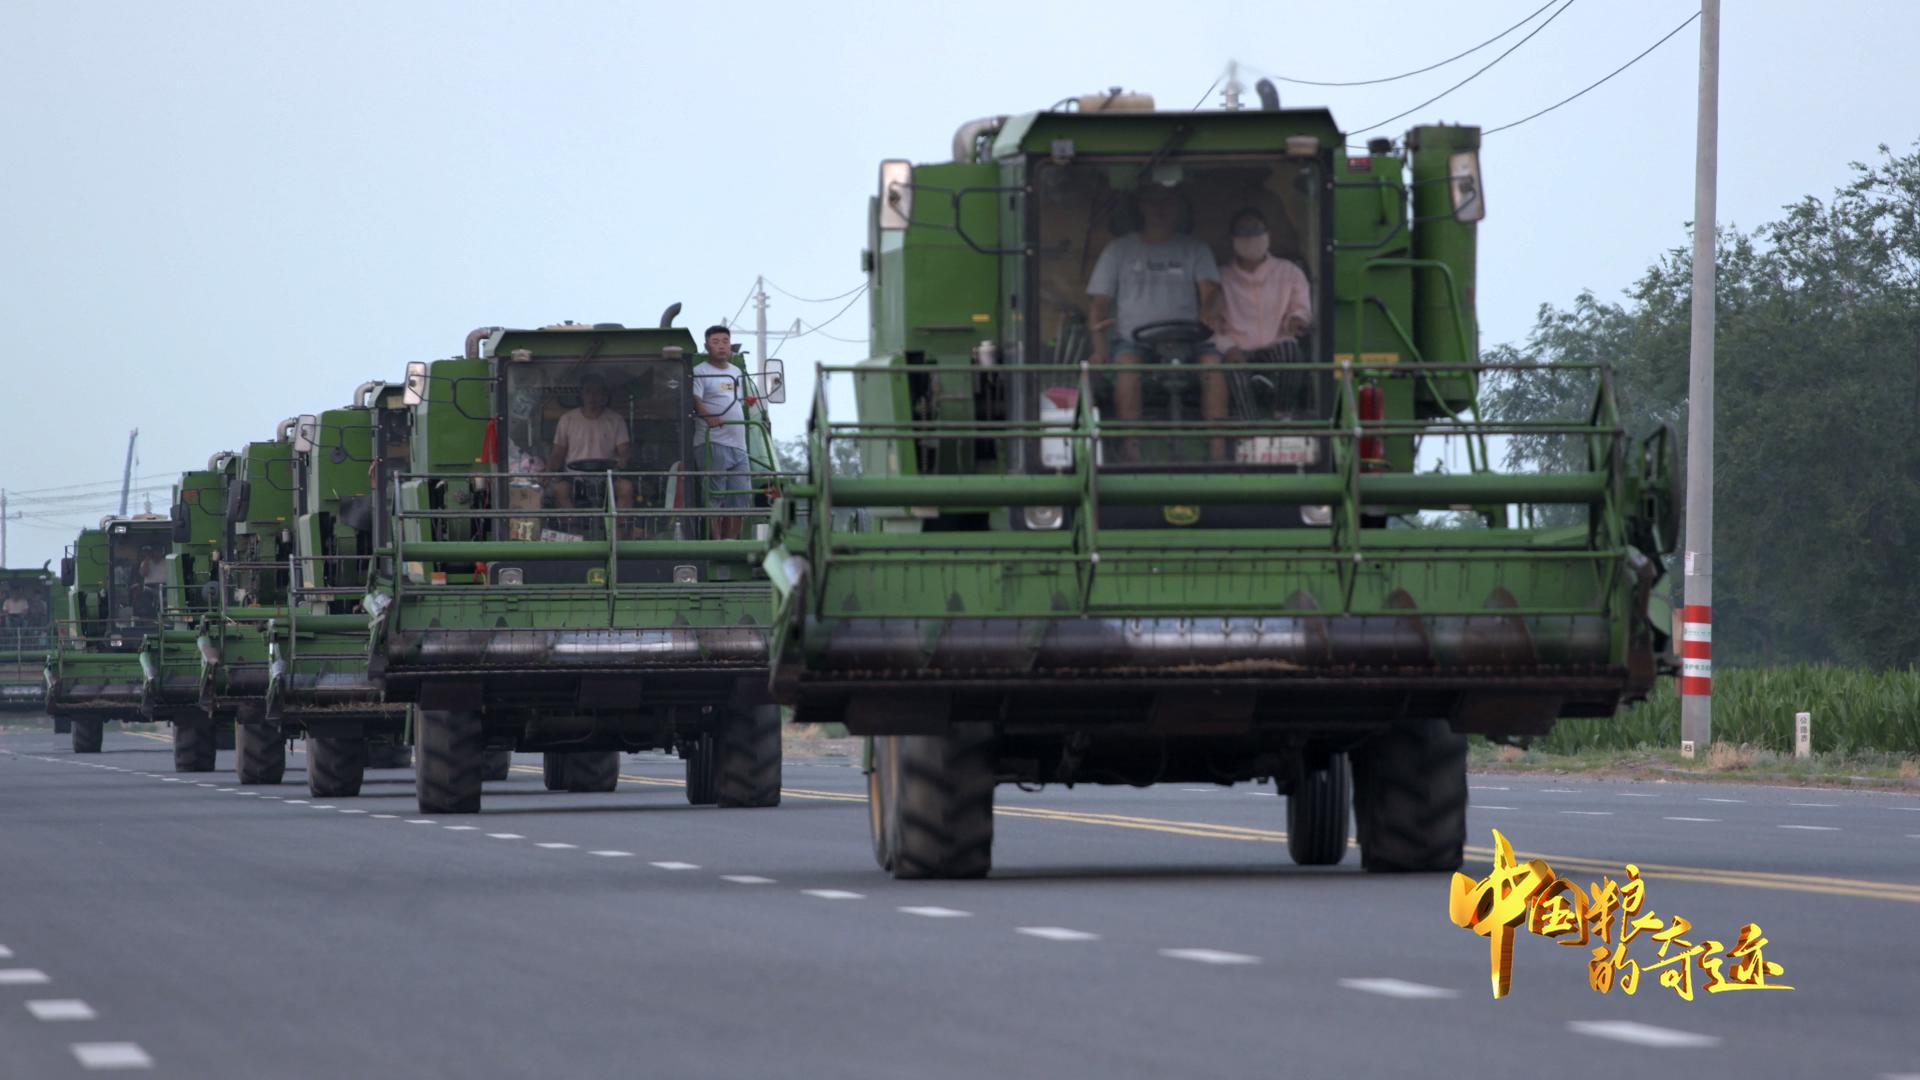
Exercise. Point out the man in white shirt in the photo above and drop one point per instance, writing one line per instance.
(1151, 276)
(591, 432)
(721, 444)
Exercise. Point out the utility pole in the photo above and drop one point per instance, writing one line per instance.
(3, 527)
(1696, 618)
(760, 320)
(126, 474)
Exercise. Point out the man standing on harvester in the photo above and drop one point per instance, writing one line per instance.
(721, 445)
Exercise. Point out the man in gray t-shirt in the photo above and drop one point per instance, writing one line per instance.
(1147, 277)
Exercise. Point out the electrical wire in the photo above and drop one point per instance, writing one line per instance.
(1509, 52)
(1208, 94)
(837, 337)
(810, 300)
(1609, 75)
(815, 328)
(1416, 71)
(742, 308)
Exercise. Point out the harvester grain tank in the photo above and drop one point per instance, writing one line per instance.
(547, 583)
(1092, 538)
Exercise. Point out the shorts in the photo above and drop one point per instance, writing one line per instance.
(731, 488)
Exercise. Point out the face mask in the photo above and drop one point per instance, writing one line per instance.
(1250, 247)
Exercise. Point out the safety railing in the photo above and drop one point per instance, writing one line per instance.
(1357, 508)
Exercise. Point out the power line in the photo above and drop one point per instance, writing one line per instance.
(1416, 71)
(742, 308)
(816, 327)
(809, 300)
(1509, 52)
(1609, 75)
(836, 337)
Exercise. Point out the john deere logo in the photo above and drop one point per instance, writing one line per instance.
(1182, 515)
(597, 576)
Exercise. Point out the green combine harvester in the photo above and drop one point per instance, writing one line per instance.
(286, 651)
(32, 607)
(546, 581)
(116, 578)
(1139, 494)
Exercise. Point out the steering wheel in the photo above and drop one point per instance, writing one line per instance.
(594, 464)
(1175, 332)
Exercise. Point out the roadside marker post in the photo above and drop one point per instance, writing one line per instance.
(1803, 735)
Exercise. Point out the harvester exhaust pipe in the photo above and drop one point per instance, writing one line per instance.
(280, 433)
(667, 316)
(361, 392)
(218, 462)
(1269, 95)
(970, 134)
(475, 337)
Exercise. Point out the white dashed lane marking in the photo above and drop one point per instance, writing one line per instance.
(505, 836)
(1638, 795)
(612, 854)
(555, 845)
(834, 894)
(670, 865)
(1209, 956)
(119, 1055)
(1814, 828)
(1709, 798)
(1690, 819)
(1559, 791)
(1590, 813)
(463, 828)
(747, 879)
(319, 806)
(60, 1009)
(22, 977)
(1488, 806)
(1629, 1031)
(296, 802)
(1056, 933)
(1485, 788)
(935, 912)
(1399, 988)
(347, 811)
(385, 817)
(1816, 805)
(5, 953)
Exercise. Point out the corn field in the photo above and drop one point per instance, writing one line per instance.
(1855, 711)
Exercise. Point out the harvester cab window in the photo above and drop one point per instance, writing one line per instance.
(569, 423)
(136, 578)
(1151, 270)
(24, 614)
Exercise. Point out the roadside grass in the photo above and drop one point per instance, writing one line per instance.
(1725, 761)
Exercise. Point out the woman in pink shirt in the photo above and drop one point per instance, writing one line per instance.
(1266, 301)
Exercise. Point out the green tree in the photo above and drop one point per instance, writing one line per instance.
(1817, 407)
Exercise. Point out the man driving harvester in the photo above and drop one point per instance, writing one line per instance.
(594, 438)
(1155, 275)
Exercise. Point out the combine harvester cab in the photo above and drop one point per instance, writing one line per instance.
(175, 672)
(522, 604)
(32, 607)
(1075, 546)
(291, 649)
(116, 580)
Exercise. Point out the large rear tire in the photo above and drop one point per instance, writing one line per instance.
(1410, 799)
(747, 758)
(499, 764)
(452, 755)
(1317, 814)
(193, 749)
(89, 732)
(260, 753)
(335, 766)
(591, 770)
(699, 760)
(935, 812)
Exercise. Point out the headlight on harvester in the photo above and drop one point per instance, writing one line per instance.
(509, 575)
(1044, 517)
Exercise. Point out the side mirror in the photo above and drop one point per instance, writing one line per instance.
(306, 432)
(66, 571)
(1463, 180)
(773, 381)
(182, 525)
(416, 387)
(896, 194)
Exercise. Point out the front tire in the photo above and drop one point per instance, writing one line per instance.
(193, 748)
(747, 764)
(1317, 814)
(389, 756)
(451, 749)
(89, 732)
(553, 770)
(1410, 799)
(499, 764)
(935, 804)
(260, 753)
(590, 770)
(335, 766)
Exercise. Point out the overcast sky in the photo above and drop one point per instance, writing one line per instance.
(217, 215)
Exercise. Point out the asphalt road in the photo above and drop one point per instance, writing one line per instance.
(189, 928)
